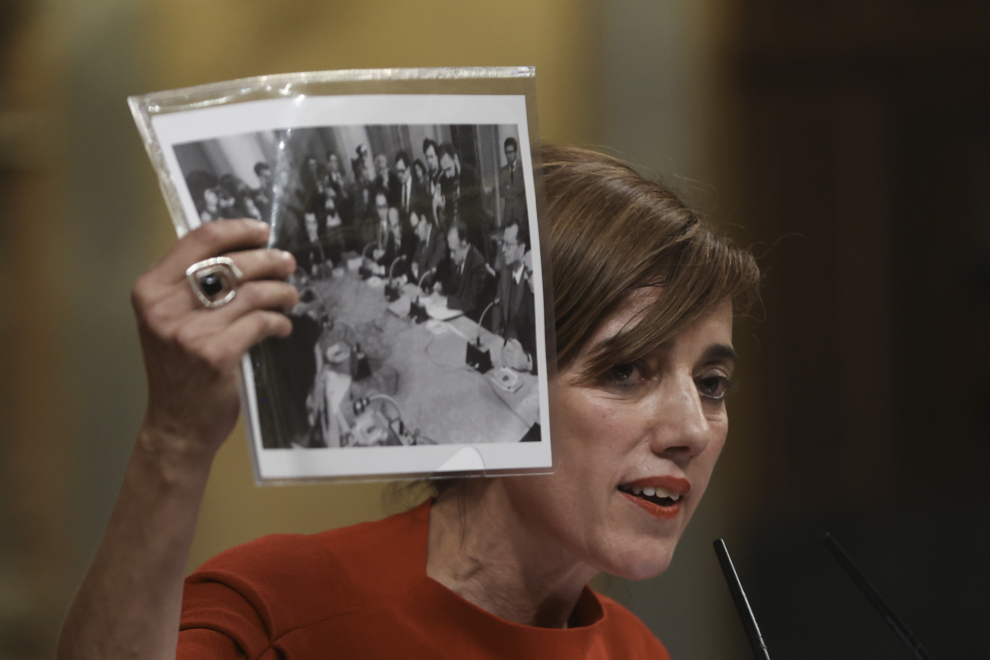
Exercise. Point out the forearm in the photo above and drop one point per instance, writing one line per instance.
(129, 603)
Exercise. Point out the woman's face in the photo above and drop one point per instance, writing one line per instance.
(659, 424)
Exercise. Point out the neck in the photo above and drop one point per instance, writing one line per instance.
(481, 548)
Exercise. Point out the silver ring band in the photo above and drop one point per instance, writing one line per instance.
(214, 281)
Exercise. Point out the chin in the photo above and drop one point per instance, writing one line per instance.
(643, 561)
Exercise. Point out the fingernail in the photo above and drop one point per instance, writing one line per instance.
(283, 255)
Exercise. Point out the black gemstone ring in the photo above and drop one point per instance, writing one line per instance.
(214, 281)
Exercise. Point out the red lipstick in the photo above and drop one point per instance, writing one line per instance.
(675, 485)
(655, 510)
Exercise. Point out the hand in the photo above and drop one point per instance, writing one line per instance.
(514, 357)
(192, 353)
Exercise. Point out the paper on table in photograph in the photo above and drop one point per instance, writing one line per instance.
(412, 202)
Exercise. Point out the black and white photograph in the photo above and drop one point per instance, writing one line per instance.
(418, 342)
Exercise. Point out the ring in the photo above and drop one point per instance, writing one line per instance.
(214, 281)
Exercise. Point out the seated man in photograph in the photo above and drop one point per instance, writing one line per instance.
(431, 247)
(512, 314)
(465, 280)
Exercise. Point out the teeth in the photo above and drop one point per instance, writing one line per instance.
(651, 491)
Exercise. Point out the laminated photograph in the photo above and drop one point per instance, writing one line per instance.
(411, 200)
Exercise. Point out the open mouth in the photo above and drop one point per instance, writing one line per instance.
(652, 494)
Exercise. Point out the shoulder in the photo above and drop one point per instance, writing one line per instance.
(287, 581)
(476, 258)
(624, 630)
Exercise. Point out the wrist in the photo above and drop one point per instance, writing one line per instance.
(172, 456)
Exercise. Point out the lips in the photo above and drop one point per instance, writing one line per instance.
(658, 496)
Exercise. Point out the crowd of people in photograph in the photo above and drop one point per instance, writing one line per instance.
(427, 220)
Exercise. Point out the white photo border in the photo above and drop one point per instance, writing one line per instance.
(315, 111)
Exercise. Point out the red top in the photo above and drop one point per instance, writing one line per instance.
(362, 592)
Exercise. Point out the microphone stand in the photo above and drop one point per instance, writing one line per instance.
(392, 291)
(365, 271)
(417, 310)
(477, 357)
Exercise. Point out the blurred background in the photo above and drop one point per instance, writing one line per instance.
(845, 140)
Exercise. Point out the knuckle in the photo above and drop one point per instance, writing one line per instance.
(209, 233)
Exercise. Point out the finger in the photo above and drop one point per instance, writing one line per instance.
(211, 239)
(248, 330)
(270, 295)
(264, 264)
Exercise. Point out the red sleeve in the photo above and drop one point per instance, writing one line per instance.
(241, 602)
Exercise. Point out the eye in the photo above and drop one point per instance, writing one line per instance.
(713, 387)
(625, 376)
(622, 373)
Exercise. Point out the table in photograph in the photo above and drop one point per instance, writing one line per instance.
(422, 366)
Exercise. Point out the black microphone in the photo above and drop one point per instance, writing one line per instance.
(392, 291)
(364, 271)
(476, 357)
(423, 276)
(742, 603)
(902, 631)
(482, 318)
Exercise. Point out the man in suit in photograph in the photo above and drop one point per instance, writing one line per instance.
(405, 194)
(511, 186)
(431, 247)
(512, 314)
(466, 278)
(461, 191)
(387, 180)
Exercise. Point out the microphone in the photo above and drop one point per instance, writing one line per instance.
(423, 276)
(365, 271)
(477, 357)
(482, 318)
(901, 630)
(742, 603)
(392, 291)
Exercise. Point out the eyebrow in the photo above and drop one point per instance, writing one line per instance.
(717, 352)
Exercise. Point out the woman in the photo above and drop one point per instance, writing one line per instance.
(492, 567)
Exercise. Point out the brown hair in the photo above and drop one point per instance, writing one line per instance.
(613, 231)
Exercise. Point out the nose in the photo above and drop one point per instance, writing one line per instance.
(681, 428)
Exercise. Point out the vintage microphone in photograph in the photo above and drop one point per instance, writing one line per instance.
(417, 310)
(871, 594)
(365, 271)
(423, 277)
(477, 357)
(392, 290)
(742, 603)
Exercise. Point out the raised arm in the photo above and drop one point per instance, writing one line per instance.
(129, 603)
